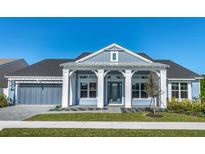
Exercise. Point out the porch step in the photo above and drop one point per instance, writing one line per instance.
(114, 109)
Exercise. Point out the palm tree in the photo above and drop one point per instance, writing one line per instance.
(152, 89)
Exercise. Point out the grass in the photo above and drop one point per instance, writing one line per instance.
(63, 132)
(138, 116)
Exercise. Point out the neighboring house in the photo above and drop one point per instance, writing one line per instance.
(110, 76)
(7, 66)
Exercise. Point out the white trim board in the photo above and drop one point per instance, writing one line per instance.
(180, 79)
(40, 82)
(34, 78)
(113, 45)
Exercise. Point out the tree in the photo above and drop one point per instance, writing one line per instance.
(203, 86)
(153, 90)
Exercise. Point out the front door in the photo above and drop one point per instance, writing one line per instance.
(114, 92)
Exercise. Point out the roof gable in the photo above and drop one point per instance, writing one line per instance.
(111, 48)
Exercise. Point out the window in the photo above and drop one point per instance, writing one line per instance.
(175, 90)
(83, 90)
(83, 77)
(184, 90)
(114, 56)
(87, 86)
(143, 91)
(92, 89)
(180, 90)
(138, 90)
(88, 89)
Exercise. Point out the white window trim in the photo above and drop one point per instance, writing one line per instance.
(111, 56)
(140, 81)
(86, 80)
(179, 91)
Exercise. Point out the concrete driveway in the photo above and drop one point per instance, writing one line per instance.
(21, 112)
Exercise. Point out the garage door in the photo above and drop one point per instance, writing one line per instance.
(40, 94)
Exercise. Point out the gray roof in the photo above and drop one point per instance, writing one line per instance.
(177, 71)
(84, 54)
(6, 60)
(47, 67)
(51, 67)
(8, 66)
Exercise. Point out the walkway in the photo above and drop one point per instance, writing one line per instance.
(105, 125)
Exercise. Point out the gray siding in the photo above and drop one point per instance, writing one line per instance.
(195, 89)
(122, 57)
(143, 102)
(39, 94)
(89, 101)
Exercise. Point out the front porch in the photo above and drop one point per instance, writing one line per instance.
(111, 84)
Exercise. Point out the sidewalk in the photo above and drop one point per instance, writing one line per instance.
(104, 125)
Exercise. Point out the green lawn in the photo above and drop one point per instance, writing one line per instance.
(63, 132)
(138, 116)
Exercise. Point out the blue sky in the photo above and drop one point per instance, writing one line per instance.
(179, 39)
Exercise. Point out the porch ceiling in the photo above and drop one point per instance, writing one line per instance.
(112, 65)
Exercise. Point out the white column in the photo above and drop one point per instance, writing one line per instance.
(163, 85)
(71, 90)
(128, 88)
(65, 88)
(16, 92)
(8, 88)
(170, 91)
(189, 91)
(100, 89)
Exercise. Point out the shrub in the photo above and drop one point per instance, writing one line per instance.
(196, 107)
(179, 106)
(3, 100)
(173, 104)
(185, 105)
(200, 99)
(203, 87)
(203, 107)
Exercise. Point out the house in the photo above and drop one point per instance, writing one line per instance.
(7, 66)
(113, 75)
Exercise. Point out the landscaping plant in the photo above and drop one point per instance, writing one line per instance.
(3, 100)
(152, 89)
(195, 107)
(203, 86)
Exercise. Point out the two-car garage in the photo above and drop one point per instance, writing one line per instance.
(39, 94)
